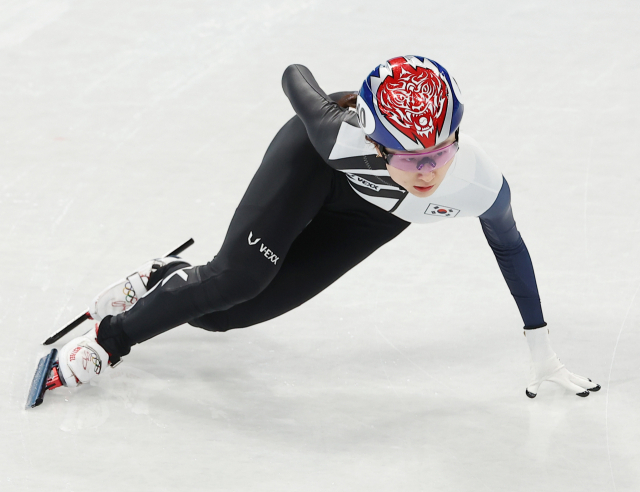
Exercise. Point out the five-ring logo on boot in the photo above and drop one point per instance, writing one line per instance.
(90, 356)
(130, 293)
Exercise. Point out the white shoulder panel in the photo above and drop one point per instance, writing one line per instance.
(484, 173)
(350, 142)
(468, 190)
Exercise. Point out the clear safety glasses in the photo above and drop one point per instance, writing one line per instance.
(423, 162)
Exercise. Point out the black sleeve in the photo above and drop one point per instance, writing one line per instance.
(512, 255)
(321, 116)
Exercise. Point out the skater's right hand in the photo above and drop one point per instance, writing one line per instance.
(545, 366)
(553, 370)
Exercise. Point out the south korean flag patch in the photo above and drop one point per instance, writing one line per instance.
(441, 211)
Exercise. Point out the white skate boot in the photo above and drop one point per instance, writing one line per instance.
(123, 294)
(80, 360)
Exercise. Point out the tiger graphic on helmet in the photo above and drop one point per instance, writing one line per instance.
(409, 103)
(415, 101)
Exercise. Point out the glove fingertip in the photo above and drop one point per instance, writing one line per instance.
(530, 394)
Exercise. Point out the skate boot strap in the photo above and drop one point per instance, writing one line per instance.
(137, 285)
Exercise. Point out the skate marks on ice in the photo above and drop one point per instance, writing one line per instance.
(415, 364)
(23, 19)
(127, 387)
(133, 387)
(621, 392)
(84, 413)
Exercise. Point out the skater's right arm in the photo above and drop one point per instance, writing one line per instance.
(321, 116)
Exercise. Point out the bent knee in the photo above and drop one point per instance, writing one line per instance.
(231, 287)
(217, 321)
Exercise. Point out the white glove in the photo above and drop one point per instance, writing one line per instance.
(545, 366)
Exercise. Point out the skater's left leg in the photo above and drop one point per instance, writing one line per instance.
(291, 185)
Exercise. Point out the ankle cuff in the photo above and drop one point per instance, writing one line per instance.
(113, 339)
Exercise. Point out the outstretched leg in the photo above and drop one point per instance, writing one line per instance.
(291, 185)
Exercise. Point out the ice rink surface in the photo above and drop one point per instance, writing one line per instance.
(128, 127)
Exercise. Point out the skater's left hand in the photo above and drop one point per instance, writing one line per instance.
(545, 366)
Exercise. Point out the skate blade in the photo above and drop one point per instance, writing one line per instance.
(39, 383)
(181, 248)
(57, 335)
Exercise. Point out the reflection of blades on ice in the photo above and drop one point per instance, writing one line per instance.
(39, 383)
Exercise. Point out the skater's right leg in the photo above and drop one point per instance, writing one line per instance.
(291, 185)
(123, 294)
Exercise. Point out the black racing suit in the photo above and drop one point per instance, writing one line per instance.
(298, 228)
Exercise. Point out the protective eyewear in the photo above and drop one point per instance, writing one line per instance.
(424, 162)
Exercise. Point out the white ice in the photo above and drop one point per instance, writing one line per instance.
(127, 127)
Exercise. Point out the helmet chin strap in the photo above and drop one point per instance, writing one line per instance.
(378, 151)
(376, 145)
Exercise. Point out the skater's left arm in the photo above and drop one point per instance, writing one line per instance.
(321, 114)
(499, 228)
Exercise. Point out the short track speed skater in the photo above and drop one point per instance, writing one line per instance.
(83, 358)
